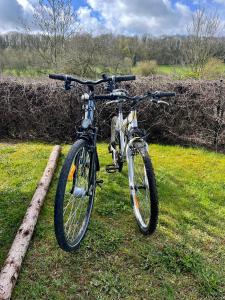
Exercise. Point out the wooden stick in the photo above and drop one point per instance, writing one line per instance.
(11, 268)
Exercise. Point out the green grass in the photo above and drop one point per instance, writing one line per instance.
(27, 72)
(176, 71)
(185, 72)
(184, 259)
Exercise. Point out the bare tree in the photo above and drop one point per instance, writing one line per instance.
(56, 21)
(82, 55)
(200, 45)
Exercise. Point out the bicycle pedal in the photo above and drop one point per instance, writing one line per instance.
(99, 182)
(109, 149)
(111, 169)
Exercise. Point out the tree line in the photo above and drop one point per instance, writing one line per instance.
(60, 44)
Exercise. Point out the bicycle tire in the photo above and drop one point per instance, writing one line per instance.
(59, 210)
(152, 219)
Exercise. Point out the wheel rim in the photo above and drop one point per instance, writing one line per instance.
(141, 192)
(77, 197)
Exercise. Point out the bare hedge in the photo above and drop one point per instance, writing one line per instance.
(42, 110)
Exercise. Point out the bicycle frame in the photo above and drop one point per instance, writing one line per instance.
(87, 131)
(89, 108)
(125, 127)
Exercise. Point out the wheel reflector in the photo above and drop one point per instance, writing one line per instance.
(72, 171)
(136, 203)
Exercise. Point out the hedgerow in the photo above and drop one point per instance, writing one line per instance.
(41, 109)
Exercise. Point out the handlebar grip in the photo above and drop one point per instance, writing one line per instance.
(125, 78)
(58, 77)
(105, 97)
(164, 94)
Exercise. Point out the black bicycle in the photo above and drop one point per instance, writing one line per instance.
(77, 182)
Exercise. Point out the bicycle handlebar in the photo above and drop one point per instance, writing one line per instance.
(67, 78)
(58, 77)
(105, 97)
(155, 95)
(125, 78)
(111, 97)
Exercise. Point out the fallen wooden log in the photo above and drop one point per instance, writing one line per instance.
(11, 268)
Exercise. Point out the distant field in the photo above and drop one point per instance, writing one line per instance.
(175, 71)
(35, 72)
(28, 72)
(168, 70)
(184, 259)
(183, 72)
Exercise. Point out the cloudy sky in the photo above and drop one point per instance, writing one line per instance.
(156, 17)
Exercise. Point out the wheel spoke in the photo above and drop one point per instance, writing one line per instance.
(141, 185)
(76, 206)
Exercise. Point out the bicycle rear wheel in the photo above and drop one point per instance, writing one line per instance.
(75, 196)
(143, 189)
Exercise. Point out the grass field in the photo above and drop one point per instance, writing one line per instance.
(174, 71)
(184, 259)
(178, 71)
(28, 72)
(185, 72)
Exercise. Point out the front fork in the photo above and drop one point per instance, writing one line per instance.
(90, 136)
(130, 152)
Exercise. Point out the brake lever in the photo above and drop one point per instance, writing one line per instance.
(115, 101)
(163, 102)
(160, 102)
(110, 102)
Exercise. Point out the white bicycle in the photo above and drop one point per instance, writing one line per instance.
(77, 182)
(128, 144)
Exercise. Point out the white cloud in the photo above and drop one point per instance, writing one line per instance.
(220, 1)
(12, 14)
(87, 22)
(183, 10)
(26, 5)
(155, 17)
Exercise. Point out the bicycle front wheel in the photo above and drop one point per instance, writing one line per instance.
(75, 196)
(143, 189)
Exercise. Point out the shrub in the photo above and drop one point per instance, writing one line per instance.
(145, 68)
(214, 69)
(187, 73)
(38, 109)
